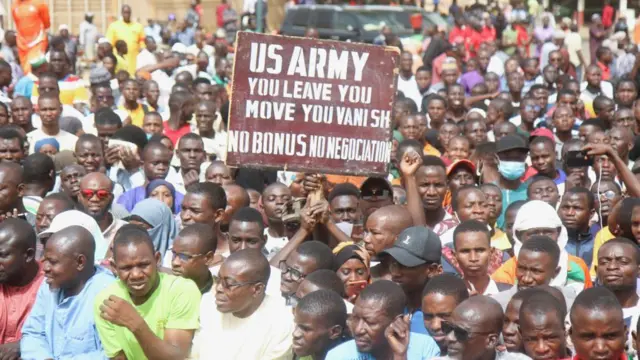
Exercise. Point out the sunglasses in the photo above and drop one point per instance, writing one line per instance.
(461, 334)
(608, 195)
(101, 194)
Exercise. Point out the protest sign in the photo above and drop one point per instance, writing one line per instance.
(311, 105)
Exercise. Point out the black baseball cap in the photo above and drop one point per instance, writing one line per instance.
(511, 142)
(416, 246)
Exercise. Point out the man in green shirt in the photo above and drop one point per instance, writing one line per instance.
(145, 314)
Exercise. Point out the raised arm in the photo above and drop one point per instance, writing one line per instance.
(409, 165)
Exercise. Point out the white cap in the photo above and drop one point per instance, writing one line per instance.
(77, 218)
(103, 40)
(63, 27)
(179, 48)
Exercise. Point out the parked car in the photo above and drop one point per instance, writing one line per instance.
(355, 23)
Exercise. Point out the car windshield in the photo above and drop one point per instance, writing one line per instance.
(375, 20)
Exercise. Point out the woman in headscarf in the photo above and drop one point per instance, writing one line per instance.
(163, 190)
(536, 217)
(157, 189)
(353, 268)
(47, 146)
(156, 217)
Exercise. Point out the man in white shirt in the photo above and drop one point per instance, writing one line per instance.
(246, 323)
(50, 109)
(147, 56)
(573, 42)
(407, 81)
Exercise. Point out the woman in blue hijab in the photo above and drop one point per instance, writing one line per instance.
(156, 217)
(164, 191)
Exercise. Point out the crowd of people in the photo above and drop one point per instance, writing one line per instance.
(507, 227)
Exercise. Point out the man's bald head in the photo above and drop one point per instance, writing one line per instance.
(12, 177)
(17, 244)
(237, 193)
(395, 218)
(96, 177)
(73, 241)
(253, 262)
(18, 231)
(482, 311)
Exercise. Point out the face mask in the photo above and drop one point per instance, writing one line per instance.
(511, 170)
(149, 136)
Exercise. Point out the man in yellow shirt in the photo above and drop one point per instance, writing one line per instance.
(130, 32)
(131, 94)
(145, 314)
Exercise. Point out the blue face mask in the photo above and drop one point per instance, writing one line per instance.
(149, 136)
(511, 170)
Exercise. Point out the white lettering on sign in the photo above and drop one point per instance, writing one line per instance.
(314, 63)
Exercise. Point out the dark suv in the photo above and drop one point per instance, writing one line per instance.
(354, 23)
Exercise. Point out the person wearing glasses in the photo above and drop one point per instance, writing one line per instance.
(245, 323)
(95, 199)
(473, 331)
(192, 254)
(305, 259)
(145, 313)
(380, 329)
(541, 321)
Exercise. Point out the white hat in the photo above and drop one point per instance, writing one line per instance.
(77, 218)
(179, 48)
(89, 14)
(63, 27)
(103, 40)
(559, 34)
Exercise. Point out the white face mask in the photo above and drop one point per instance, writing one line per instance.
(345, 227)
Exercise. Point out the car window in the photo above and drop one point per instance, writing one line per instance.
(345, 20)
(301, 18)
(324, 19)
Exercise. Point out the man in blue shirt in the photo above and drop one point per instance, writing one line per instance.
(61, 323)
(379, 329)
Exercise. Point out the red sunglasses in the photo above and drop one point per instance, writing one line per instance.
(101, 194)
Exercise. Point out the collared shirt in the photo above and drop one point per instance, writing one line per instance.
(421, 347)
(137, 114)
(60, 327)
(15, 306)
(128, 180)
(110, 232)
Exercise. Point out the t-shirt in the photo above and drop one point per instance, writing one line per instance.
(420, 347)
(573, 42)
(137, 115)
(175, 304)
(265, 334)
(72, 91)
(175, 135)
(66, 140)
(509, 197)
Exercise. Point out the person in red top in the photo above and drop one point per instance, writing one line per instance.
(474, 40)
(604, 57)
(459, 33)
(608, 12)
(181, 109)
(597, 326)
(220, 9)
(522, 40)
(488, 30)
(20, 279)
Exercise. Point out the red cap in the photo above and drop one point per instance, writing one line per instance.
(463, 162)
(542, 132)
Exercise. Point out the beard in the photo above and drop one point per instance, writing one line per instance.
(97, 216)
